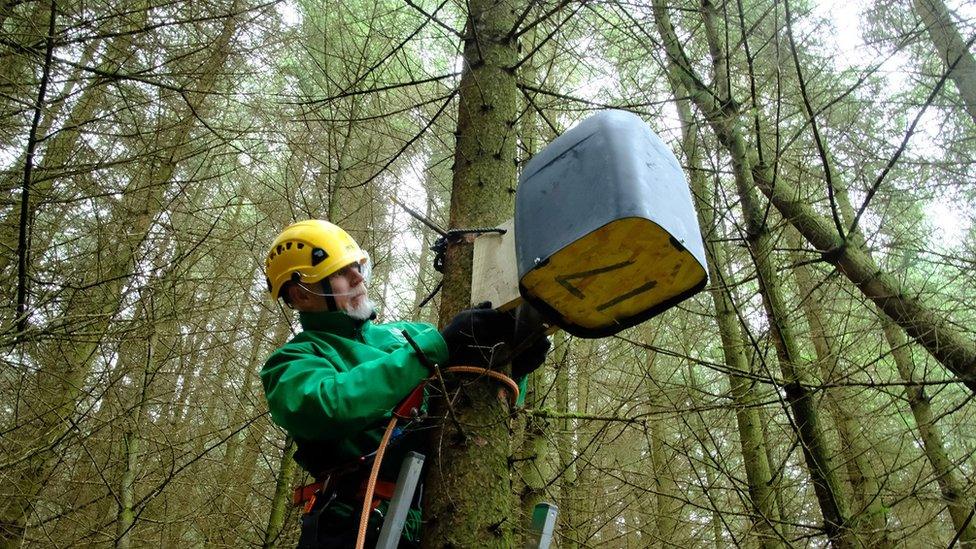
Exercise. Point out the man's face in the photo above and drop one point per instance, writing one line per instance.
(348, 289)
(348, 285)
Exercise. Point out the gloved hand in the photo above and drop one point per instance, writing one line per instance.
(530, 359)
(473, 333)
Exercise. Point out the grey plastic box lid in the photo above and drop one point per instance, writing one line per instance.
(610, 167)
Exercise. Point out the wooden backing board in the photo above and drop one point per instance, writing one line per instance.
(494, 274)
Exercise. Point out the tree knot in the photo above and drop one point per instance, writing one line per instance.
(834, 254)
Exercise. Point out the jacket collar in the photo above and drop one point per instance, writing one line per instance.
(333, 322)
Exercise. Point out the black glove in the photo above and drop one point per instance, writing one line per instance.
(472, 335)
(529, 325)
(530, 359)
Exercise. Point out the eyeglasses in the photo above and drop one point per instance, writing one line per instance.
(348, 269)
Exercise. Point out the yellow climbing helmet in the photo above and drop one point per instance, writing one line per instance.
(308, 251)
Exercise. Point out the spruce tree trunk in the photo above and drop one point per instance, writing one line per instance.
(534, 463)
(243, 450)
(665, 488)
(565, 446)
(754, 456)
(946, 344)
(951, 485)
(60, 381)
(926, 326)
(23, 31)
(958, 503)
(869, 519)
(421, 289)
(133, 399)
(951, 49)
(282, 497)
(126, 514)
(467, 496)
(806, 420)
(585, 492)
(534, 456)
(711, 458)
(533, 459)
(777, 469)
(60, 147)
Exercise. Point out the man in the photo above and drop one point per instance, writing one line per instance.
(333, 386)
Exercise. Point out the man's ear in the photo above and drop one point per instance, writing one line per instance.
(295, 295)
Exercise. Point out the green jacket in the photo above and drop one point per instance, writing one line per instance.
(337, 381)
(333, 388)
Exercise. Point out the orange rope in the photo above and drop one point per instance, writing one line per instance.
(507, 381)
(371, 484)
(375, 471)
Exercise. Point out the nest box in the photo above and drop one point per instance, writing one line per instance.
(606, 234)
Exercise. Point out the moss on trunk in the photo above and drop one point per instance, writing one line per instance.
(468, 500)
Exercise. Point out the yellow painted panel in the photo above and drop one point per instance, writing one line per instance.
(615, 272)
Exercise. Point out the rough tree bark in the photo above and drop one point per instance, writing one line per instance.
(952, 50)
(805, 420)
(467, 497)
(754, 456)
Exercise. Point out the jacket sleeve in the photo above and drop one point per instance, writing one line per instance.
(313, 398)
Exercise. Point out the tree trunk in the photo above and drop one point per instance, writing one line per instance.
(132, 401)
(282, 497)
(712, 458)
(62, 145)
(777, 469)
(806, 418)
(942, 341)
(243, 450)
(894, 298)
(535, 468)
(754, 455)
(421, 289)
(958, 503)
(585, 490)
(468, 499)
(665, 488)
(61, 378)
(126, 515)
(951, 49)
(21, 31)
(721, 114)
(534, 457)
(869, 520)
(565, 446)
(950, 484)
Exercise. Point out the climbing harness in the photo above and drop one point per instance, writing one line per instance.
(408, 408)
(372, 489)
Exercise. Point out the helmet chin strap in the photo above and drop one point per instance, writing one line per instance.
(330, 301)
(327, 293)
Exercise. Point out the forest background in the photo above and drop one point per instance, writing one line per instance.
(818, 393)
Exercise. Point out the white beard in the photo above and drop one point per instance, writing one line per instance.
(363, 311)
